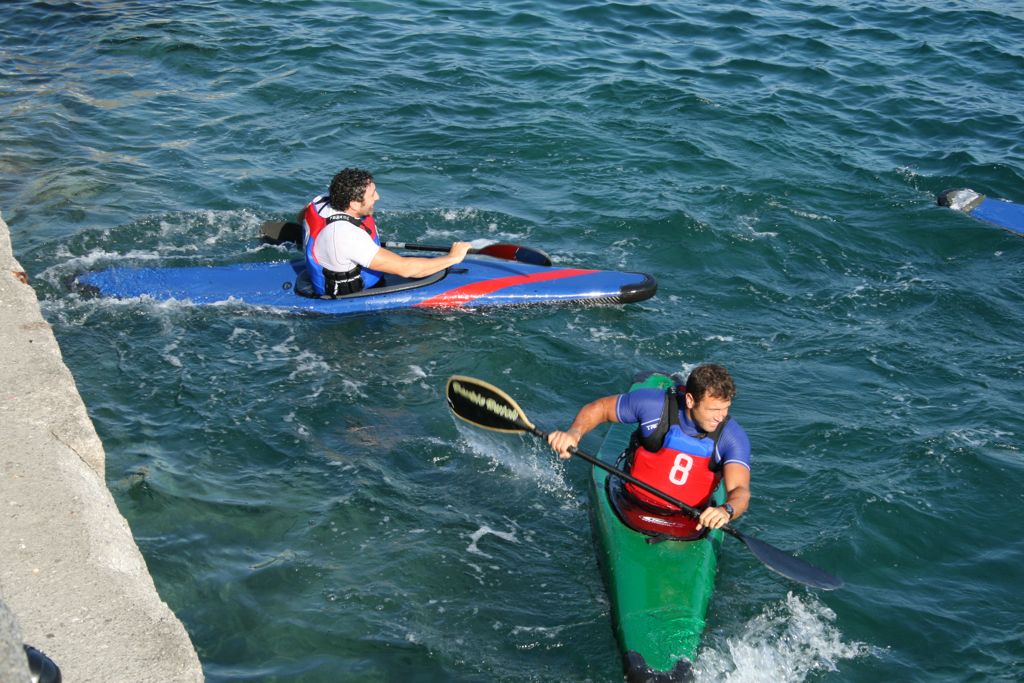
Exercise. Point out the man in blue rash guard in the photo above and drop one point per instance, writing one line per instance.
(685, 455)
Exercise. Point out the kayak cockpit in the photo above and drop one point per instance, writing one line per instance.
(657, 524)
(389, 284)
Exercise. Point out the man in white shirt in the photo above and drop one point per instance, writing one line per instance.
(341, 244)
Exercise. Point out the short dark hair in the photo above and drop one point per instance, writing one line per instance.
(710, 380)
(348, 186)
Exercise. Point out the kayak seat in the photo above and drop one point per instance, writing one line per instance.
(388, 283)
(648, 520)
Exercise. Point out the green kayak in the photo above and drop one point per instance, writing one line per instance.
(659, 590)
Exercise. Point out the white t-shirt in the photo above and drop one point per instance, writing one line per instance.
(341, 245)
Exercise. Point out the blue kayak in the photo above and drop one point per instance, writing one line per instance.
(474, 283)
(1005, 214)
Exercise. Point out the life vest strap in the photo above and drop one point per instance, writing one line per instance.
(669, 418)
(348, 219)
(339, 284)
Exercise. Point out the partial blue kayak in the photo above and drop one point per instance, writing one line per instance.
(475, 283)
(1005, 214)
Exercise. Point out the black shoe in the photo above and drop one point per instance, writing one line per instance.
(42, 668)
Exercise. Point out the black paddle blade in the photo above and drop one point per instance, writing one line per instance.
(485, 405)
(787, 565)
(280, 232)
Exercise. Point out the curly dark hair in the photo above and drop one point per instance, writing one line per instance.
(348, 186)
(710, 380)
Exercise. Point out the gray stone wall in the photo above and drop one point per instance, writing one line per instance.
(70, 572)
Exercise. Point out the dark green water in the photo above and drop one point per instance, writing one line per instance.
(304, 501)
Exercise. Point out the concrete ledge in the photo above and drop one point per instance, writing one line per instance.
(71, 572)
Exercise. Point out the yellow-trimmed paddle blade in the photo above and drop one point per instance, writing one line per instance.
(485, 405)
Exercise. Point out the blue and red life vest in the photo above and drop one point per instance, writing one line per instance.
(328, 282)
(685, 467)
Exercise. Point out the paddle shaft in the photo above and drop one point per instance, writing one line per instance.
(509, 252)
(688, 509)
(422, 247)
(278, 232)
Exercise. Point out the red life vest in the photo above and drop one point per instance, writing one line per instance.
(683, 466)
(315, 222)
(321, 278)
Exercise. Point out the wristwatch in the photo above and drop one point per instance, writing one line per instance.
(728, 508)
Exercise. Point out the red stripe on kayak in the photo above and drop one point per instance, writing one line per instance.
(463, 295)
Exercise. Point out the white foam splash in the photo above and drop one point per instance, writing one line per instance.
(548, 632)
(83, 262)
(603, 334)
(485, 530)
(749, 223)
(524, 460)
(786, 643)
(977, 438)
(458, 214)
(286, 347)
(308, 363)
(416, 372)
(240, 332)
(812, 216)
(168, 355)
(457, 231)
(353, 388)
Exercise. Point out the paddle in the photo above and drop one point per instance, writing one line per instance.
(509, 252)
(277, 232)
(487, 406)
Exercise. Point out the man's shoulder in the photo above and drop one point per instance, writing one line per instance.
(734, 442)
(641, 404)
(647, 393)
(734, 427)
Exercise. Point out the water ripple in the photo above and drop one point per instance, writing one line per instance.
(295, 483)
